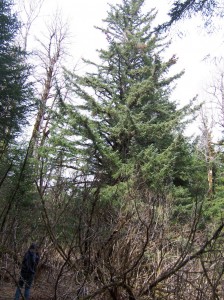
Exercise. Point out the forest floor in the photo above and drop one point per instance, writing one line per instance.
(39, 291)
(43, 286)
(46, 283)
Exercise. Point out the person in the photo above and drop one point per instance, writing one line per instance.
(28, 270)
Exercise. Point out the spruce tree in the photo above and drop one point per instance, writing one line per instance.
(126, 125)
(15, 100)
(123, 138)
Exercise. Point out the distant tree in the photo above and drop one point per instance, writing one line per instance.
(48, 76)
(211, 140)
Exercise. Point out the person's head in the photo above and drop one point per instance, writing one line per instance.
(33, 247)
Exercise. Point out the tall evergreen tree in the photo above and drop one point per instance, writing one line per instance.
(16, 102)
(124, 137)
(126, 125)
(15, 98)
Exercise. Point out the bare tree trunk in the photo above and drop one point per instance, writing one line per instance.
(208, 149)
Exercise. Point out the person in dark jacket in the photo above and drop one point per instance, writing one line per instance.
(28, 270)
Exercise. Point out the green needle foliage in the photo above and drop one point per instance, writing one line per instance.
(126, 127)
(186, 9)
(16, 102)
(15, 91)
(122, 130)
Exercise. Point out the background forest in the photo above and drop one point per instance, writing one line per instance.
(123, 204)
